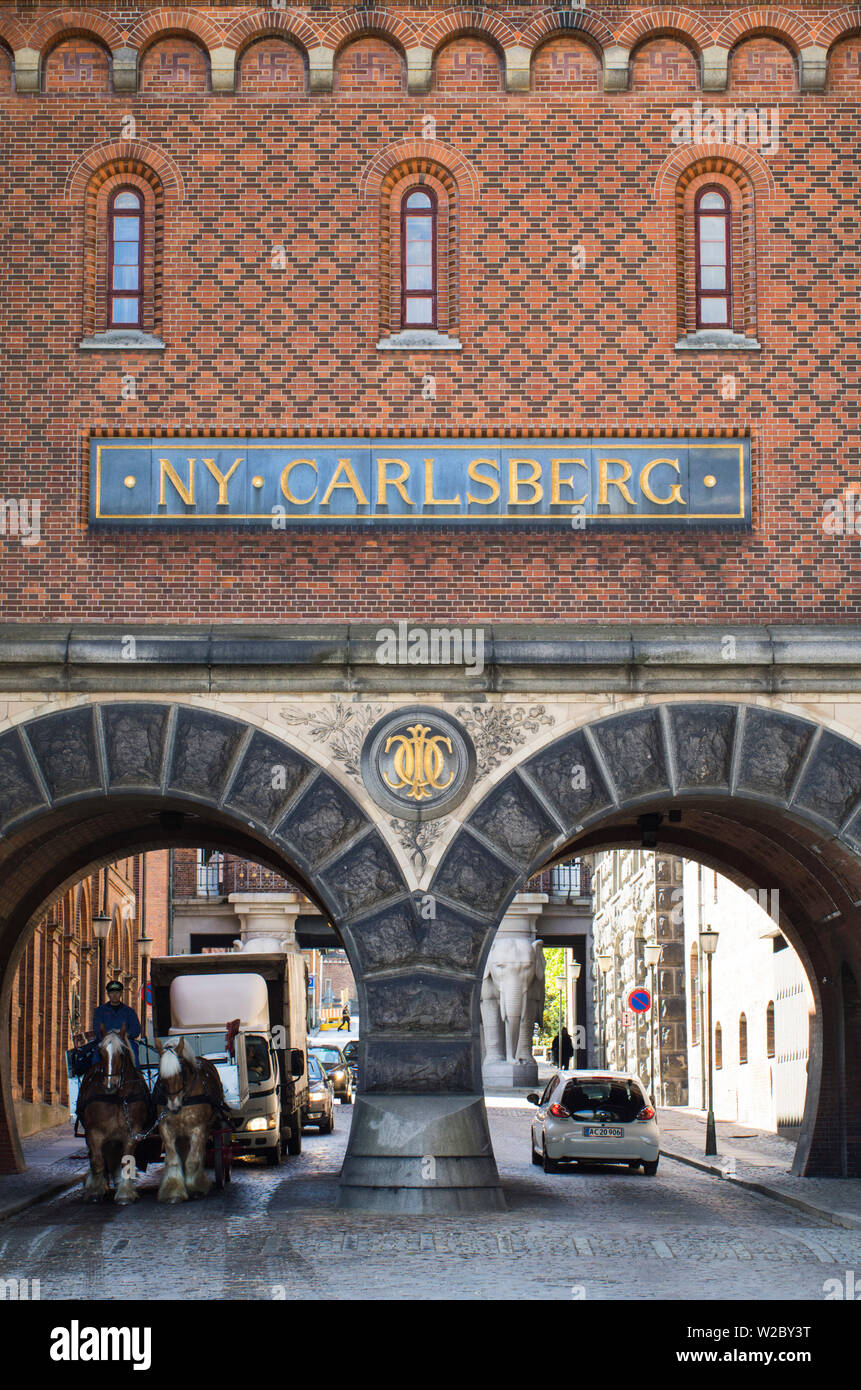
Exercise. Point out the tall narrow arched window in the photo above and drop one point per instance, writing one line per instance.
(695, 994)
(718, 1047)
(125, 259)
(769, 1029)
(418, 259)
(713, 243)
(742, 1038)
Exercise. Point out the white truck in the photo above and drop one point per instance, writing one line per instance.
(264, 1070)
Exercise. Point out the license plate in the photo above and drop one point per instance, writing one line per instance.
(602, 1132)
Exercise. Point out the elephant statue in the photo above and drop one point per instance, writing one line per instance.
(512, 997)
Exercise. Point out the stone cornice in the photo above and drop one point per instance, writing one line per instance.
(517, 658)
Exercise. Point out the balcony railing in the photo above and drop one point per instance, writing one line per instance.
(564, 882)
(224, 875)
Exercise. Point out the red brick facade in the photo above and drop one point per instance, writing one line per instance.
(254, 347)
(58, 984)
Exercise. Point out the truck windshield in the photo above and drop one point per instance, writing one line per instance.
(211, 1045)
(257, 1059)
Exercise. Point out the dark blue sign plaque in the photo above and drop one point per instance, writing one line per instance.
(586, 482)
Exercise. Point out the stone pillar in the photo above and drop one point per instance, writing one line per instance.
(266, 918)
(512, 996)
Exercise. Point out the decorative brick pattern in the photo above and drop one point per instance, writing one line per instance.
(272, 65)
(564, 66)
(762, 69)
(174, 65)
(77, 67)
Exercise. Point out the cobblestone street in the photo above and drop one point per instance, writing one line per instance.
(600, 1234)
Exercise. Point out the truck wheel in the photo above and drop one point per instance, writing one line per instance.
(294, 1143)
(326, 1126)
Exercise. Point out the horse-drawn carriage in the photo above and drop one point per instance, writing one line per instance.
(174, 1105)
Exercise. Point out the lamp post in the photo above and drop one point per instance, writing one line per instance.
(575, 976)
(708, 944)
(145, 945)
(652, 955)
(605, 960)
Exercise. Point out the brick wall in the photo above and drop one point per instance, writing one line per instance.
(253, 348)
(57, 985)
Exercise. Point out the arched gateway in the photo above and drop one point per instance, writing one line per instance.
(771, 799)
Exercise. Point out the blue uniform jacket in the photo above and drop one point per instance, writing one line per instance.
(113, 1017)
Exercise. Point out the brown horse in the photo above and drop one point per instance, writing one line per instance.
(115, 1109)
(191, 1096)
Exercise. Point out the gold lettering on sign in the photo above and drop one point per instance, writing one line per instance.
(384, 482)
(490, 483)
(430, 500)
(221, 478)
(646, 487)
(515, 483)
(605, 481)
(285, 482)
(418, 762)
(167, 470)
(557, 482)
(352, 484)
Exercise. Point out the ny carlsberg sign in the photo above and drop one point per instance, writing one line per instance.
(605, 482)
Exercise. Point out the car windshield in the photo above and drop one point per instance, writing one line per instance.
(315, 1071)
(328, 1054)
(587, 1099)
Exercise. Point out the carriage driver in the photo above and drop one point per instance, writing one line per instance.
(114, 1013)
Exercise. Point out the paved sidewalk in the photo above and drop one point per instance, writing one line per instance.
(55, 1160)
(759, 1161)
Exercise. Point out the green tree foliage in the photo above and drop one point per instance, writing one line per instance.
(554, 957)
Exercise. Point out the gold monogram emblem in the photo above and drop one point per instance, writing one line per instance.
(419, 762)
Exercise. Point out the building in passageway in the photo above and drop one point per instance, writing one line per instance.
(762, 1005)
(637, 900)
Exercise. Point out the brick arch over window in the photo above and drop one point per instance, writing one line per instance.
(757, 24)
(728, 176)
(368, 23)
(557, 23)
(273, 24)
(840, 26)
(478, 23)
(52, 29)
(123, 173)
(163, 24)
(681, 25)
(397, 183)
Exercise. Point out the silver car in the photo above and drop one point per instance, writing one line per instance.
(597, 1117)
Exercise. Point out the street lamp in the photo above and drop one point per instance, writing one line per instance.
(145, 945)
(605, 960)
(575, 976)
(708, 945)
(101, 928)
(651, 956)
(560, 985)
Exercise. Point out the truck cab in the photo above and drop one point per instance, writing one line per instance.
(264, 1080)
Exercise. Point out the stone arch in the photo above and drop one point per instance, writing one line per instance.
(757, 793)
(105, 780)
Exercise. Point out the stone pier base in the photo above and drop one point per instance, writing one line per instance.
(420, 1154)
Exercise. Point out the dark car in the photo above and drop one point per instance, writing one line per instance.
(320, 1109)
(351, 1053)
(335, 1064)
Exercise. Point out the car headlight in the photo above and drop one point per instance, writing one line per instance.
(337, 1075)
(318, 1092)
(261, 1122)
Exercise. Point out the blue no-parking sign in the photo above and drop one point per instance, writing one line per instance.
(639, 1001)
